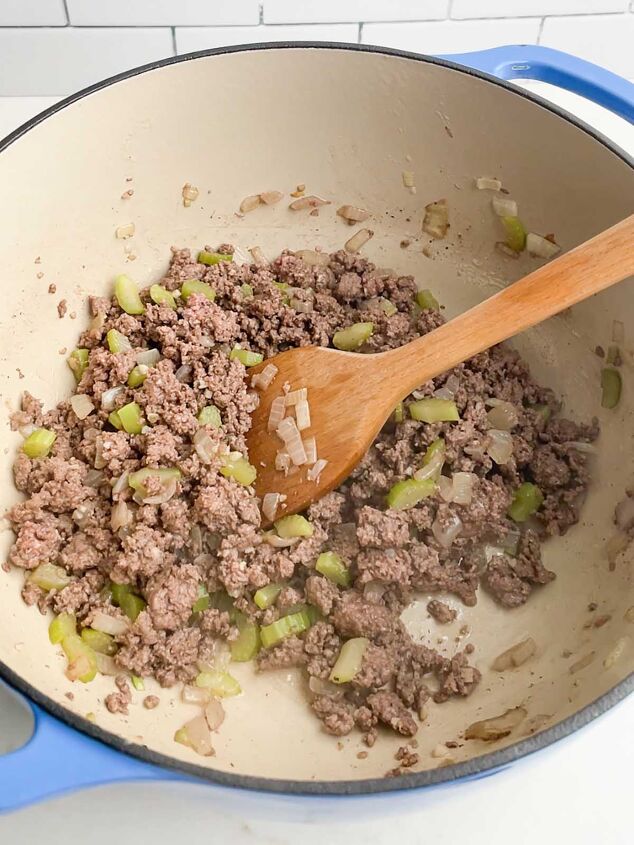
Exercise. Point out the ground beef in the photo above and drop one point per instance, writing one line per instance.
(204, 535)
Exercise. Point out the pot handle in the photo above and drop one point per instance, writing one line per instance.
(59, 759)
(528, 61)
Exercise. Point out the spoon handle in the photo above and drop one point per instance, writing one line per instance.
(585, 270)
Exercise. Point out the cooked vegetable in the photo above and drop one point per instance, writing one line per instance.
(162, 296)
(434, 410)
(541, 247)
(239, 469)
(515, 656)
(247, 291)
(399, 413)
(610, 386)
(353, 337)
(246, 357)
(138, 375)
(48, 577)
(515, 233)
(82, 405)
(39, 443)
(220, 684)
(136, 479)
(294, 526)
(387, 306)
(408, 492)
(115, 420)
(488, 183)
(113, 625)
(286, 626)
(196, 735)
(247, 643)
(496, 728)
(127, 295)
(349, 661)
(543, 411)
(82, 664)
(131, 418)
(332, 566)
(202, 602)
(267, 596)
(526, 501)
(210, 258)
(192, 286)
(288, 431)
(61, 627)
(118, 342)
(352, 214)
(98, 641)
(210, 415)
(78, 361)
(503, 415)
(436, 219)
(129, 603)
(137, 683)
(427, 300)
(433, 461)
(504, 207)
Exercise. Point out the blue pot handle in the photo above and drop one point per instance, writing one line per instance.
(526, 61)
(59, 759)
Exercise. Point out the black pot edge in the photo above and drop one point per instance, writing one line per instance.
(474, 768)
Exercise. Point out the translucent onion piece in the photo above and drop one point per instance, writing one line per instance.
(288, 432)
(258, 256)
(374, 590)
(503, 415)
(282, 461)
(504, 207)
(81, 405)
(249, 203)
(26, 430)
(358, 240)
(353, 214)
(302, 415)
(446, 534)
(500, 446)
(169, 488)
(276, 414)
(408, 178)
(82, 514)
(271, 197)
(112, 625)
(463, 483)
(184, 373)
(109, 397)
(270, 504)
(504, 249)
(197, 736)
(433, 467)
(486, 183)
(318, 686)
(443, 393)
(94, 478)
(265, 378)
(214, 714)
(313, 258)
(436, 219)
(582, 446)
(279, 542)
(121, 516)
(189, 194)
(316, 470)
(148, 357)
(205, 447)
(498, 727)
(541, 247)
(295, 396)
(624, 514)
(308, 202)
(106, 664)
(618, 332)
(445, 487)
(515, 656)
(349, 661)
(125, 231)
(310, 447)
(302, 306)
(195, 695)
(121, 483)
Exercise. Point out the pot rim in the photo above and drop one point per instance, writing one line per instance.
(470, 769)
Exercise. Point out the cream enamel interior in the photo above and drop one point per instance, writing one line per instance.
(346, 124)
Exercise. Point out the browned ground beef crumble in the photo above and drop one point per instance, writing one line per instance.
(209, 532)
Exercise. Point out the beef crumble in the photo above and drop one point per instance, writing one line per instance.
(201, 536)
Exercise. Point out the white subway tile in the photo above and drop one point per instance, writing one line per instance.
(530, 8)
(607, 40)
(162, 12)
(32, 13)
(341, 11)
(202, 38)
(45, 61)
(451, 36)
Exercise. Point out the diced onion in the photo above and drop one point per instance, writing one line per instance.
(295, 396)
(624, 513)
(318, 686)
(279, 542)
(107, 624)
(408, 178)
(82, 514)
(503, 415)
(445, 488)
(353, 214)
(125, 231)
(463, 483)
(288, 432)
(504, 207)
(81, 405)
(302, 415)
(359, 238)
(504, 249)
(265, 378)
(26, 430)
(205, 447)
(282, 461)
(498, 727)
(541, 247)
(374, 590)
(94, 478)
(316, 470)
(121, 484)
(120, 517)
(270, 504)
(443, 393)
(184, 373)
(258, 256)
(169, 488)
(214, 714)
(618, 331)
(446, 534)
(249, 203)
(195, 695)
(500, 446)
(433, 467)
(148, 357)
(581, 446)
(196, 735)
(486, 183)
(515, 656)
(436, 219)
(105, 665)
(189, 194)
(310, 447)
(109, 397)
(308, 202)
(276, 414)
(304, 307)
(313, 258)
(271, 197)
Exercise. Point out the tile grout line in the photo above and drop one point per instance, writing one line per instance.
(175, 51)
(360, 33)
(540, 30)
(66, 12)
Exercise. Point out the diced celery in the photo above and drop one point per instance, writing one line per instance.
(115, 420)
(221, 684)
(182, 737)
(611, 387)
(293, 526)
(82, 663)
(131, 418)
(515, 233)
(426, 300)
(247, 291)
(543, 411)
(138, 375)
(137, 683)
(192, 286)
(388, 307)
(407, 493)
(131, 605)
(210, 415)
(61, 627)
(117, 591)
(222, 601)
(162, 296)
(210, 258)
(399, 413)
(349, 661)
(247, 643)
(527, 499)
(117, 342)
(613, 356)
(127, 295)
(437, 445)
(136, 479)
(331, 565)
(267, 596)
(48, 577)
(99, 641)
(353, 337)
(202, 602)
(246, 357)
(78, 361)
(281, 285)
(39, 443)
(239, 469)
(433, 410)
(286, 626)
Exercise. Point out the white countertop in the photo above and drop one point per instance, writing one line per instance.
(579, 791)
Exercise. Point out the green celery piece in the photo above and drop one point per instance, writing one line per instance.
(117, 342)
(611, 386)
(127, 295)
(425, 299)
(210, 258)
(515, 233)
(220, 684)
(388, 307)
(136, 479)
(527, 499)
(247, 291)
(61, 627)
(117, 591)
(39, 443)
(161, 296)
(210, 415)
(82, 663)
(131, 605)
(349, 661)
(48, 576)
(115, 420)
(408, 492)
(267, 596)
(192, 286)
(138, 375)
(239, 469)
(131, 418)
(78, 361)
(286, 626)
(433, 410)
(99, 641)
(353, 337)
(399, 413)
(137, 683)
(202, 602)
(249, 359)
(331, 565)
(293, 526)
(247, 643)
(437, 445)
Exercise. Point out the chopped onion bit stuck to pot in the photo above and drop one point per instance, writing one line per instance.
(352, 214)
(189, 194)
(349, 661)
(436, 219)
(81, 405)
(504, 207)
(487, 183)
(497, 727)
(515, 656)
(313, 258)
(358, 240)
(540, 246)
(125, 231)
(308, 202)
(408, 178)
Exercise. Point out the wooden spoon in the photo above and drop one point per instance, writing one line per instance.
(352, 395)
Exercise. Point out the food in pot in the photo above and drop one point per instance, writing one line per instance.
(140, 529)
